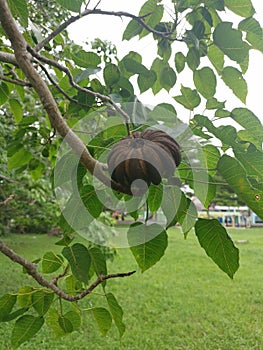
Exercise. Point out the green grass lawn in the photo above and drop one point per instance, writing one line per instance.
(183, 302)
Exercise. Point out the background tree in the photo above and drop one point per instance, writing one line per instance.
(50, 85)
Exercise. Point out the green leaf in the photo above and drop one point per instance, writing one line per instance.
(179, 60)
(20, 158)
(193, 58)
(41, 301)
(216, 57)
(174, 205)
(79, 259)
(4, 93)
(233, 78)
(133, 66)
(86, 59)
(215, 4)
(188, 218)
(237, 177)
(242, 8)
(205, 82)
(25, 328)
(16, 109)
(28, 120)
(19, 9)
(7, 301)
(111, 74)
(146, 80)
(213, 103)
(147, 244)
(133, 28)
(74, 317)
(65, 324)
(155, 196)
(103, 319)
(213, 237)
(98, 262)
(116, 312)
(167, 77)
(212, 156)
(24, 296)
(51, 262)
(71, 5)
(14, 315)
(189, 98)
(254, 32)
(152, 13)
(157, 68)
(249, 121)
(91, 200)
(230, 41)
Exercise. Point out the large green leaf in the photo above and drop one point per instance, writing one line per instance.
(205, 82)
(188, 218)
(212, 156)
(242, 8)
(189, 98)
(16, 109)
(19, 9)
(25, 328)
(179, 60)
(155, 196)
(167, 77)
(156, 67)
(79, 259)
(86, 59)
(51, 262)
(116, 312)
(4, 93)
(20, 158)
(233, 78)
(174, 205)
(133, 28)
(98, 262)
(91, 201)
(152, 13)
(237, 177)
(111, 74)
(146, 80)
(41, 301)
(103, 319)
(193, 58)
(217, 244)
(133, 66)
(216, 57)
(147, 243)
(254, 32)
(230, 41)
(7, 301)
(71, 5)
(249, 121)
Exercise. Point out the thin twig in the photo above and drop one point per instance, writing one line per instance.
(15, 81)
(31, 269)
(95, 11)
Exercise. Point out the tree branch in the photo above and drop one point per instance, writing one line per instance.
(15, 81)
(97, 95)
(31, 269)
(95, 11)
(23, 59)
(8, 58)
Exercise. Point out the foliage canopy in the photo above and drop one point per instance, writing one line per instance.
(70, 104)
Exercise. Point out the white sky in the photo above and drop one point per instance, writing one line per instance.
(111, 29)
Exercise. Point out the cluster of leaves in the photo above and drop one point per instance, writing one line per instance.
(207, 46)
(32, 307)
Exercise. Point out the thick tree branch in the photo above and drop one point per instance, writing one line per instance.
(23, 59)
(95, 11)
(32, 271)
(8, 58)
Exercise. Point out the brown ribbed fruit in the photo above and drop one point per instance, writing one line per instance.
(148, 155)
